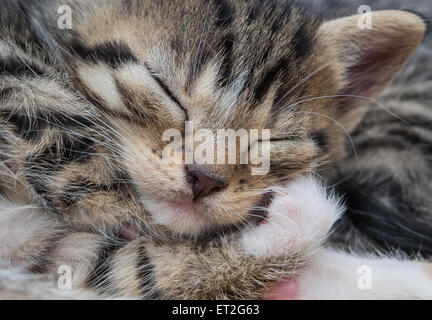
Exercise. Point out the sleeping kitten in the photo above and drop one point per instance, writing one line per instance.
(83, 112)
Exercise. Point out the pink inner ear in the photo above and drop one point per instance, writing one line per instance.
(372, 57)
(374, 69)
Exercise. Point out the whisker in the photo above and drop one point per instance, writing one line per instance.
(339, 124)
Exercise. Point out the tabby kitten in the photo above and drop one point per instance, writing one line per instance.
(83, 112)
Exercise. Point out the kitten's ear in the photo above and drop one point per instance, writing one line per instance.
(370, 58)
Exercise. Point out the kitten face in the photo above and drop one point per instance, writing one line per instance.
(222, 65)
(217, 79)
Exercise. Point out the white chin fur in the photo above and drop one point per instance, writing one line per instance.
(176, 220)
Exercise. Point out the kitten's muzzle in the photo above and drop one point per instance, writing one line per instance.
(204, 184)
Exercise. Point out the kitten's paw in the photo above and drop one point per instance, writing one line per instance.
(298, 220)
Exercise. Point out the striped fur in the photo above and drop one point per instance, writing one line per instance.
(82, 113)
(388, 187)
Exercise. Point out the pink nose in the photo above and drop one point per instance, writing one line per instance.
(203, 185)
